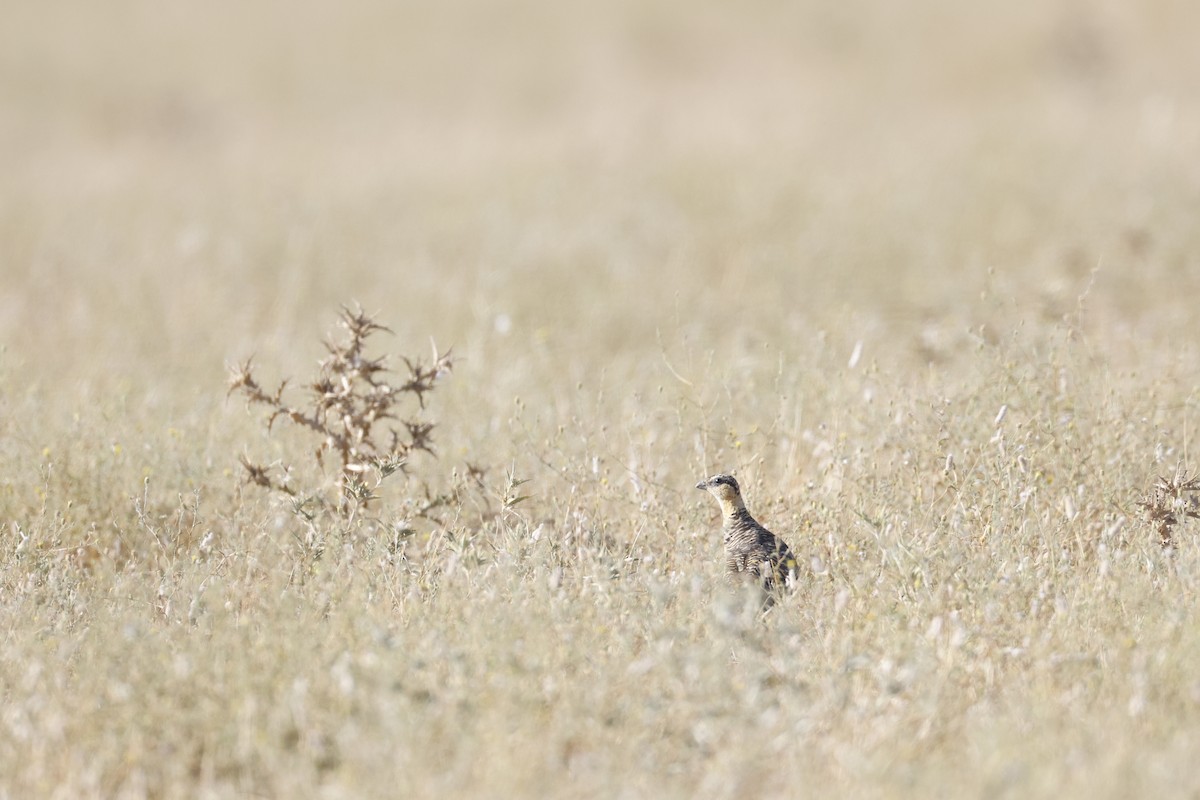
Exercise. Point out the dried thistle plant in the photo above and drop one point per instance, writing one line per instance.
(354, 407)
(1169, 502)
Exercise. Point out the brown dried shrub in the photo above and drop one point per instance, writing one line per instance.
(1169, 502)
(362, 413)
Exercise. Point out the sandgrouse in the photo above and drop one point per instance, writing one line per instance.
(751, 551)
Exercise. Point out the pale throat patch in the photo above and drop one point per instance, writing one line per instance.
(730, 501)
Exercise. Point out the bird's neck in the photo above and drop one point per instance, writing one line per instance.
(733, 509)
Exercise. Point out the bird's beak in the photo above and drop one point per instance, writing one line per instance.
(702, 485)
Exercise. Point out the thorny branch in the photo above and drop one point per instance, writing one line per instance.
(350, 406)
(1171, 501)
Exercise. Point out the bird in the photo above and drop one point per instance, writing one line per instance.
(751, 551)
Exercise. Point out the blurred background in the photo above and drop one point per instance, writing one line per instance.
(183, 181)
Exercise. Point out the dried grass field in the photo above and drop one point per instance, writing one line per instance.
(924, 278)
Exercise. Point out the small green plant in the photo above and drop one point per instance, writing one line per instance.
(510, 496)
(362, 413)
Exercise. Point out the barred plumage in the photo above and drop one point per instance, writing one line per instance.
(751, 551)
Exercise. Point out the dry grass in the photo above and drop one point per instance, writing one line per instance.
(925, 281)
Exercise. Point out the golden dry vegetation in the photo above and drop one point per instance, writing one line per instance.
(923, 276)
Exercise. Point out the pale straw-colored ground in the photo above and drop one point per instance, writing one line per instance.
(925, 279)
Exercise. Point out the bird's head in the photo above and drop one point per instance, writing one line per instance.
(725, 488)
